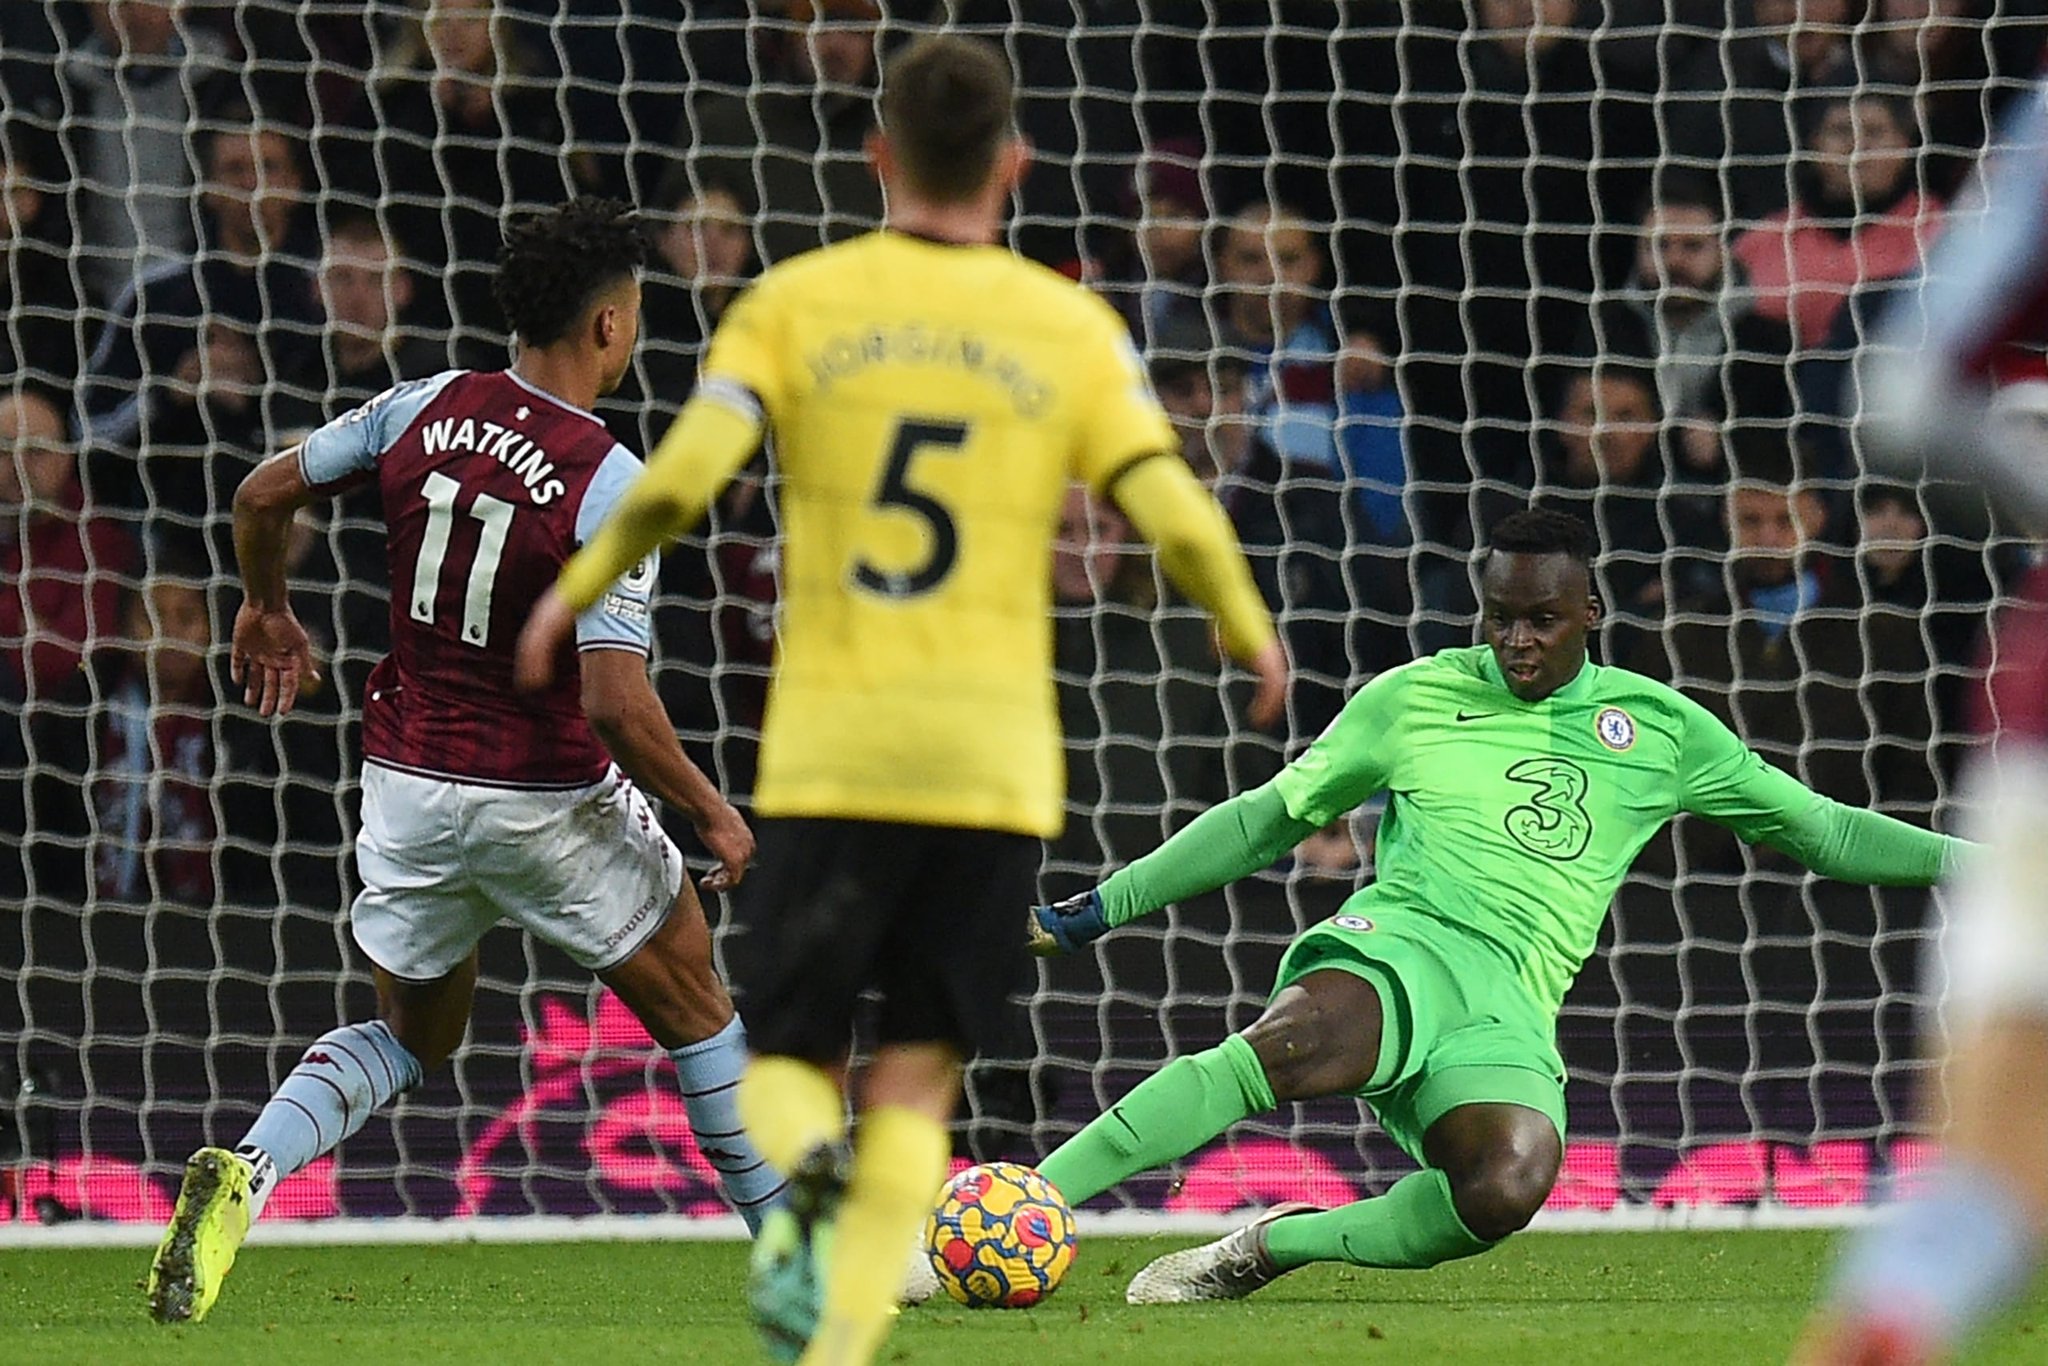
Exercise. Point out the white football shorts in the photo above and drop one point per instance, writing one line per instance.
(588, 870)
(1994, 946)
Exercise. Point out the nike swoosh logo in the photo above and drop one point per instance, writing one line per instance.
(1117, 1113)
(1476, 715)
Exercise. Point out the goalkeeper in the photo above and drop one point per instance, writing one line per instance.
(1522, 779)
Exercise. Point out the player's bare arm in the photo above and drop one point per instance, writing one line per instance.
(628, 717)
(271, 655)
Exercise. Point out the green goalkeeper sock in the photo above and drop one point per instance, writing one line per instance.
(1170, 1114)
(1412, 1226)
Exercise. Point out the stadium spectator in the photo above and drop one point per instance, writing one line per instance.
(1686, 309)
(1731, 105)
(717, 600)
(1857, 217)
(148, 781)
(745, 564)
(1323, 474)
(371, 338)
(1943, 585)
(63, 565)
(1470, 208)
(39, 341)
(301, 62)
(1604, 464)
(1800, 630)
(153, 819)
(1302, 376)
(798, 138)
(1158, 270)
(174, 382)
(1141, 708)
(1787, 654)
(705, 246)
(1285, 499)
(1203, 392)
(370, 342)
(457, 133)
(1310, 556)
(128, 100)
(1941, 57)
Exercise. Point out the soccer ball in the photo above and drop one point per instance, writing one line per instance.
(1001, 1237)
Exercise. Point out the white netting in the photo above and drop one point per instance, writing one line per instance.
(1456, 206)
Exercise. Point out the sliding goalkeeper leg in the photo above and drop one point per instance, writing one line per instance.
(1422, 1026)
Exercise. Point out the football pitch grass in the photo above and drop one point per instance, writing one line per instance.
(1644, 1299)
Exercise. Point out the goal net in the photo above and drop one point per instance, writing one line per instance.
(1395, 267)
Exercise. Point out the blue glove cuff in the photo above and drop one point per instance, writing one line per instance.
(1074, 923)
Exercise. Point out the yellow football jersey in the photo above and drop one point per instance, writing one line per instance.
(929, 403)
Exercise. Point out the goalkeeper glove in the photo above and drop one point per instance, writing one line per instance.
(1067, 925)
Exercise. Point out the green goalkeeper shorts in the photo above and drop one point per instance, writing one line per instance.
(1459, 1028)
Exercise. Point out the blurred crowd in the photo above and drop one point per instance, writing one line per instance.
(1395, 267)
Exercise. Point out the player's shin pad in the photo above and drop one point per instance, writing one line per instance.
(1413, 1226)
(341, 1080)
(1168, 1115)
(710, 1072)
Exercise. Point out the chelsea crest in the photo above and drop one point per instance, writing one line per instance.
(1616, 729)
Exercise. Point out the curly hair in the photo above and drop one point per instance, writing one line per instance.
(1542, 531)
(554, 264)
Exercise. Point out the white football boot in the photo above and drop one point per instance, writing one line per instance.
(1228, 1269)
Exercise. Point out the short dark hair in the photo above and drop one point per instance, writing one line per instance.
(1762, 454)
(686, 183)
(352, 220)
(947, 104)
(1683, 187)
(554, 264)
(1542, 531)
(1875, 493)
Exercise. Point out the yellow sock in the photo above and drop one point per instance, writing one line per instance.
(789, 1107)
(899, 1163)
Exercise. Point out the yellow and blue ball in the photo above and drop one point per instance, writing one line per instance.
(1001, 1237)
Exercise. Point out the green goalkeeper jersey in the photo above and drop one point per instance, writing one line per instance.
(1516, 821)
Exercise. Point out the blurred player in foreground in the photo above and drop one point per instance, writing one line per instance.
(1522, 780)
(478, 804)
(1912, 1288)
(930, 396)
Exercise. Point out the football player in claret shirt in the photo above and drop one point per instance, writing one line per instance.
(1521, 781)
(930, 396)
(1916, 1286)
(479, 803)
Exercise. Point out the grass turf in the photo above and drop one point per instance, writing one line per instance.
(1667, 1298)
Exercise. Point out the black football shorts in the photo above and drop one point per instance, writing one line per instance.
(930, 917)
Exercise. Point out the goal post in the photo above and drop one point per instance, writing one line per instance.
(1395, 266)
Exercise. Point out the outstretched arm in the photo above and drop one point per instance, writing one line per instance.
(1855, 845)
(1228, 841)
(1216, 848)
(1729, 783)
(1347, 763)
